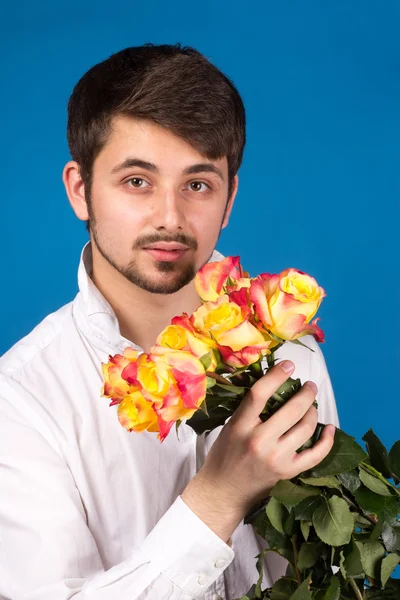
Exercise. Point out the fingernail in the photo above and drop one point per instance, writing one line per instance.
(312, 385)
(331, 430)
(287, 366)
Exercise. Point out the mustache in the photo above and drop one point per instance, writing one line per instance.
(180, 238)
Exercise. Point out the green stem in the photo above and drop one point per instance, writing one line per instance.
(356, 589)
(379, 476)
(270, 360)
(293, 539)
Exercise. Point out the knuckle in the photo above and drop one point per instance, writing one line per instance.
(254, 447)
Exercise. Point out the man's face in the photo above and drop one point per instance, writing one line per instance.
(156, 205)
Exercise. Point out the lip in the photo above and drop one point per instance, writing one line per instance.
(166, 255)
(166, 246)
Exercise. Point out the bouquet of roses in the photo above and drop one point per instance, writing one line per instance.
(338, 526)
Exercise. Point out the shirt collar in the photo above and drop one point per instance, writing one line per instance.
(94, 315)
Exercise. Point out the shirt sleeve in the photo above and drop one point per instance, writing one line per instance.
(327, 410)
(47, 551)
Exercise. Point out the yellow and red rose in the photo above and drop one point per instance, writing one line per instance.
(227, 322)
(114, 386)
(174, 384)
(213, 277)
(284, 304)
(182, 335)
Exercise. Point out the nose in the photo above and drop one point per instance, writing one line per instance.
(169, 211)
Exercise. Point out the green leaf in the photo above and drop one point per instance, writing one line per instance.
(391, 592)
(330, 481)
(276, 541)
(374, 484)
(289, 524)
(333, 522)
(352, 560)
(260, 569)
(210, 382)
(371, 557)
(394, 459)
(333, 591)
(377, 531)
(298, 343)
(305, 529)
(387, 567)
(308, 555)
(377, 453)
(345, 455)
(360, 521)
(206, 360)
(350, 480)
(305, 509)
(391, 537)
(177, 425)
(283, 589)
(231, 389)
(290, 494)
(277, 513)
(203, 408)
(302, 592)
(200, 423)
(386, 507)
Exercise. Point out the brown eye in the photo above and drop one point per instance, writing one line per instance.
(195, 186)
(136, 181)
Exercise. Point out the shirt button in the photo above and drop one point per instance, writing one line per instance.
(202, 580)
(219, 564)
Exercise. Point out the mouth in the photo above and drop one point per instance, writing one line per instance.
(166, 251)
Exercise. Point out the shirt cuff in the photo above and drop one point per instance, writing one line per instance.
(186, 550)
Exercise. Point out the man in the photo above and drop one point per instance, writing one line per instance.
(88, 510)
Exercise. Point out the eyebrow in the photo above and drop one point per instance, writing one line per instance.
(128, 163)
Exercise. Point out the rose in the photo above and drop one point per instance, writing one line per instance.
(284, 304)
(114, 386)
(136, 413)
(227, 322)
(212, 278)
(174, 383)
(182, 335)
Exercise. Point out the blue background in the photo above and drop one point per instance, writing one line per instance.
(319, 187)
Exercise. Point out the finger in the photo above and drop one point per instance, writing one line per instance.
(302, 431)
(292, 412)
(307, 459)
(248, 412)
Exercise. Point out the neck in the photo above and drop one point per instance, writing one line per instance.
(141, 315)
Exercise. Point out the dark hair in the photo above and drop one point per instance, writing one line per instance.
(173, 86)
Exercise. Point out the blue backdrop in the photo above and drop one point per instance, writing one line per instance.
(319, 187)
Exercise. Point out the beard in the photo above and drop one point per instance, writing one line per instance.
(180, 275)
(181, 272)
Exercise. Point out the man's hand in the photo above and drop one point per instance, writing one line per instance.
(250, 456)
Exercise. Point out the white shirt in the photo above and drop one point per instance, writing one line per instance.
(89, 511)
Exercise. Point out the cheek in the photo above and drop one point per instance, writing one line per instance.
(115, 217)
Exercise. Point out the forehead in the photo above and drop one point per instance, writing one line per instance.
(150, 142)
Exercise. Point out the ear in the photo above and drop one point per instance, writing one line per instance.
(75, 190)
(231, 200)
